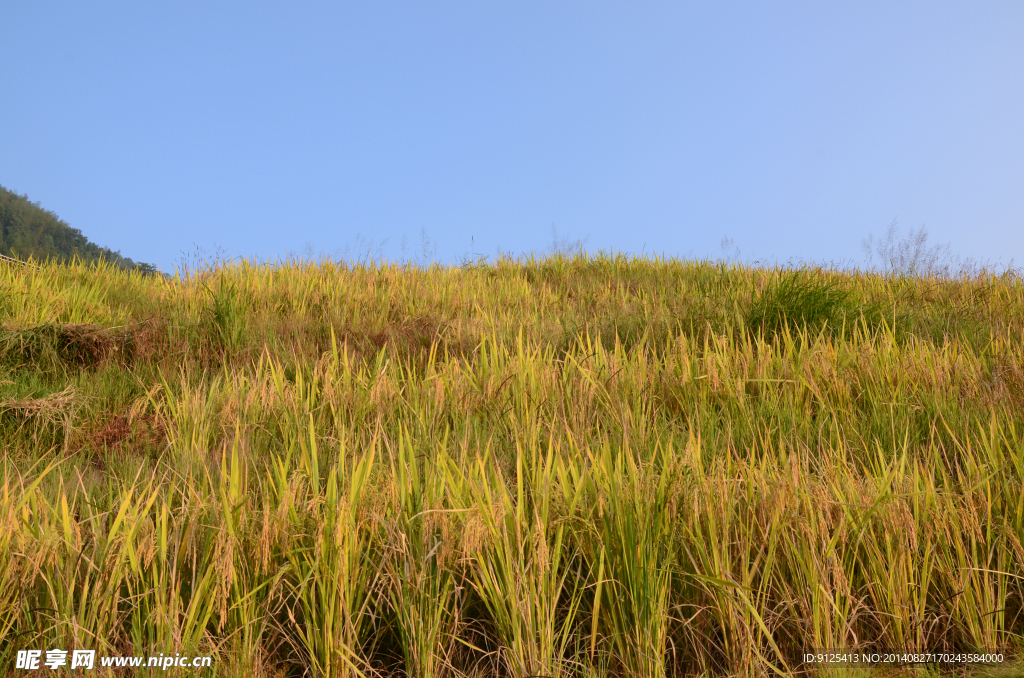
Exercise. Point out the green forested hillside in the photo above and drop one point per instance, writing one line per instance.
(28, 230)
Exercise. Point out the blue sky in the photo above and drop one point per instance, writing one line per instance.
(793, 128)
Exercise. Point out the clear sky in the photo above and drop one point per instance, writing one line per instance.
(794, 128)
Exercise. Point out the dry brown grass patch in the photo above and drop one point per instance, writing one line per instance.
(81, 344)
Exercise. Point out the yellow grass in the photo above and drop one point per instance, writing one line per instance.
(572, 466)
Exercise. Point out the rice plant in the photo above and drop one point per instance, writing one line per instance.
(572, 466)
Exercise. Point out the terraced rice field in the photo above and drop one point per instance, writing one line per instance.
(581, 466)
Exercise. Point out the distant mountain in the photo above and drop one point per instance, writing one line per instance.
(28, 230)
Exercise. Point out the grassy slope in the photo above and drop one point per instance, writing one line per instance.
(568, 465)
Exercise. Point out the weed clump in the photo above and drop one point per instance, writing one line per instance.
(226, 316)
(799, 300)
